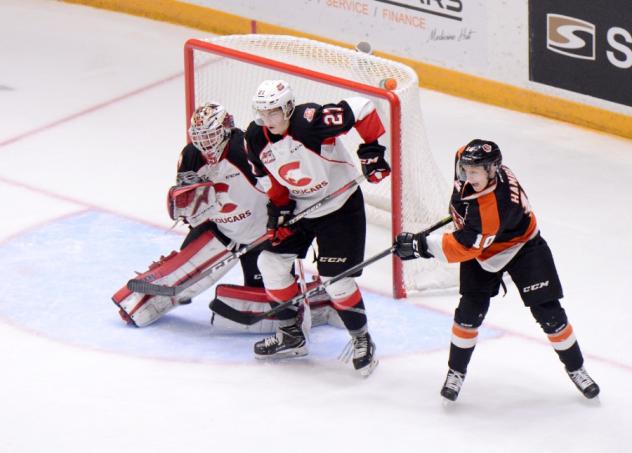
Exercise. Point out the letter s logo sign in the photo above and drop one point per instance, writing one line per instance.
(570, 36)
(615, 37)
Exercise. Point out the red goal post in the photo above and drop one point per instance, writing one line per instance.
(227, 69)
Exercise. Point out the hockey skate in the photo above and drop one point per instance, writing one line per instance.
(362, 348)
(584, 382)
(289, 341)
(452, 385)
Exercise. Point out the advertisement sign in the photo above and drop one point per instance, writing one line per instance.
(582, 46)
(445, 32)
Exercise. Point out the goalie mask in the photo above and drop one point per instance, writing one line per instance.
(210, 130)
(480, 153)
(273, 94)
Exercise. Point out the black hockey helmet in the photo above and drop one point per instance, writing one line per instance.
(483, 153)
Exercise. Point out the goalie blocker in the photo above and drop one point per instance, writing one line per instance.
(200, 254)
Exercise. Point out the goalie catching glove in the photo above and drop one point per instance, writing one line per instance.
(374, 166)
(194, 203)
(409, 246)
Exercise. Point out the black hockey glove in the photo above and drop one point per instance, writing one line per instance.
(277, 216)
(374, 166)
(409, 246)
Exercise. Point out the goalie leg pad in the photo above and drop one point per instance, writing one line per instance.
(193, 259)
(141, 310)
(233, 301)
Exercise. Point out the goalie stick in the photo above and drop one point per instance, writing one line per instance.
(293, 302)
(146, 287)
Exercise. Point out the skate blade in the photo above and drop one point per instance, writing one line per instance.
(446, 403)
(367, 370)
(300, 352)
(591, 402)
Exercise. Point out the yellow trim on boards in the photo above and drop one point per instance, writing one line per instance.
(431, 77)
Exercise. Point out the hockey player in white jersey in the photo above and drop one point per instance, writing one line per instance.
(296, 148)
(218, 196)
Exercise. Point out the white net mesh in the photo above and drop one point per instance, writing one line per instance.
(424, 192)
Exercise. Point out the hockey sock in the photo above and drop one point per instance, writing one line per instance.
(282, 295)
(462, 347)
(567, 348)
(572, 357)
(459, 358)
(353, 317)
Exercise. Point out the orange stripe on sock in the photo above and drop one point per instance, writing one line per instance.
(562, 335)
(463, 332)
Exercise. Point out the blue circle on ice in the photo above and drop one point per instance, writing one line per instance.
(58, 280)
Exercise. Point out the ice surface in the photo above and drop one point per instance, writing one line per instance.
(92, 120)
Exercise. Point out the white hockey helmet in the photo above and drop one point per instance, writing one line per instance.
(210, 130)
(272, 94)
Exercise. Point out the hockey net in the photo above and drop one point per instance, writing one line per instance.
(228, 69)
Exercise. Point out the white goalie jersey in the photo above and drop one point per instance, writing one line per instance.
(229, 197)
(224, 196)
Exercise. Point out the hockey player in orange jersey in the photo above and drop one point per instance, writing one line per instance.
(496, 232)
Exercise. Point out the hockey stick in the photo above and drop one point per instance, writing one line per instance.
(304, 312)
(254, 318)
(146, 287)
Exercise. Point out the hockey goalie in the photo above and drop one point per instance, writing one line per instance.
(217, 195)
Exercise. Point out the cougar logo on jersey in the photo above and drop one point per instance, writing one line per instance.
(223, 199)
(292, 174)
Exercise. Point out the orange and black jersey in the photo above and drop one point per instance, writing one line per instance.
(491, 225)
